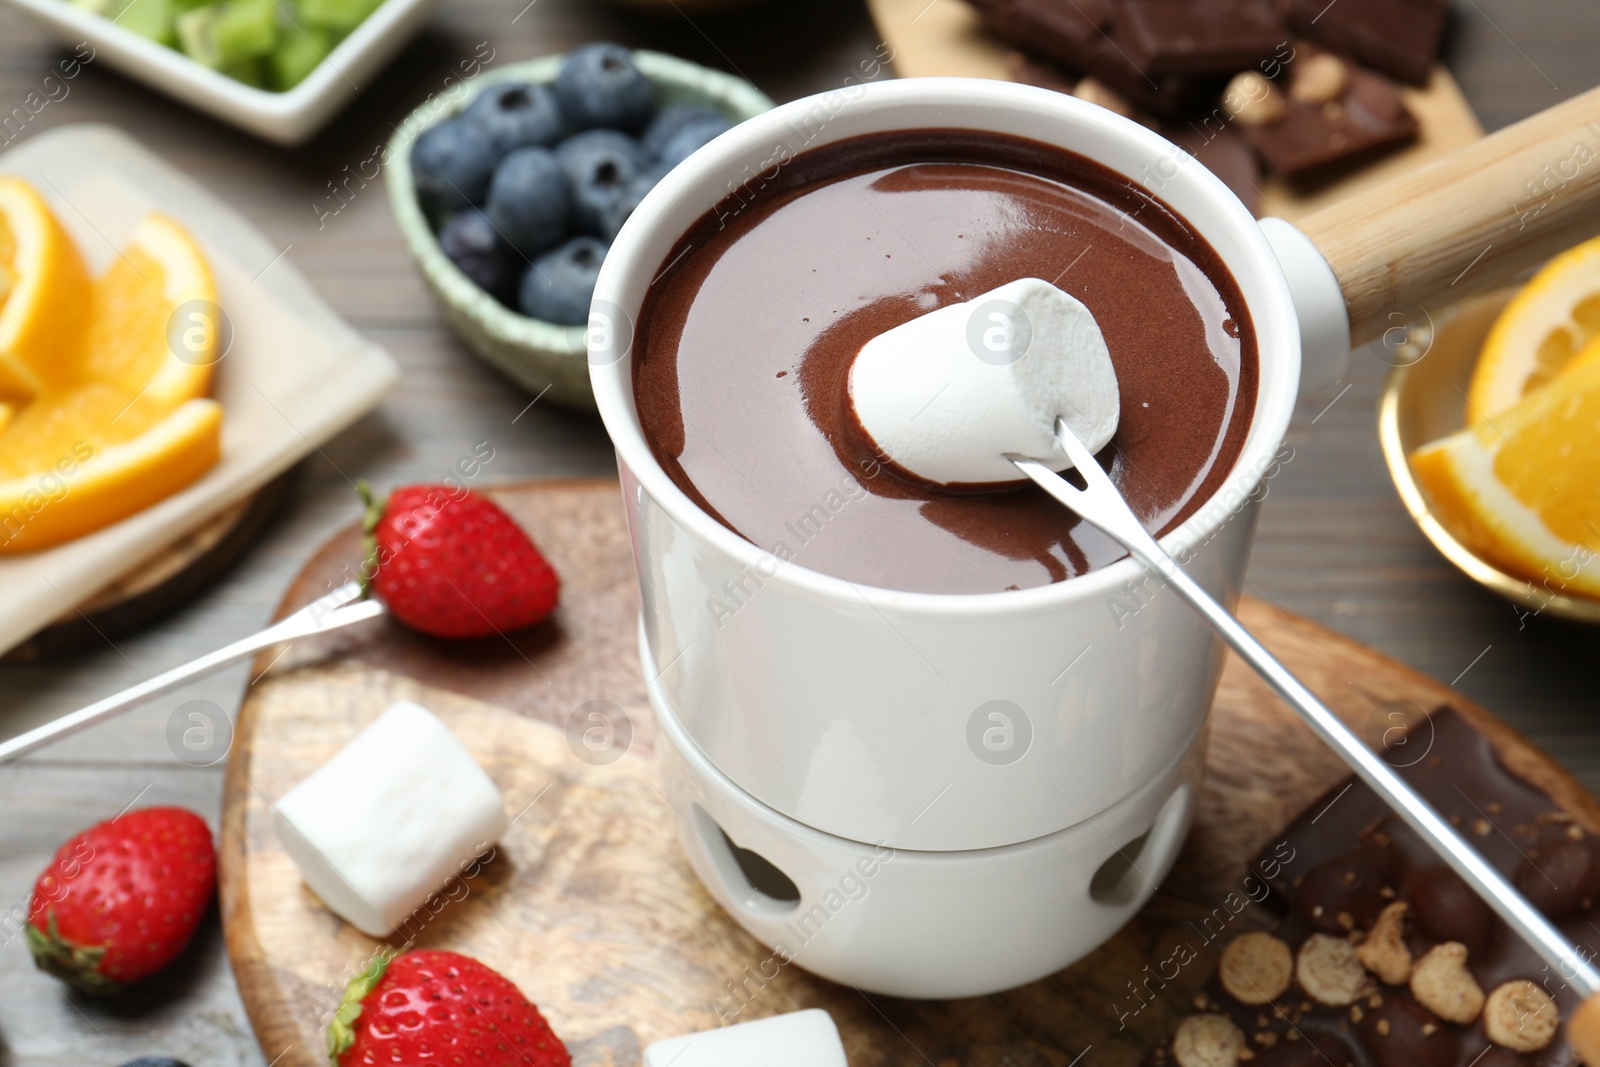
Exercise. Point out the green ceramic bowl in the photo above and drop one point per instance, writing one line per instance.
(542, 357)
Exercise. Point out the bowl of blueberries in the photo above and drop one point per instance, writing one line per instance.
(509, 196)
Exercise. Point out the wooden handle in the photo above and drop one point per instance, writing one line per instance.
(1467, 222)
(1583, 1031)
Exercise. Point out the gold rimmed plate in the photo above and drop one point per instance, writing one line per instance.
(1423, 400)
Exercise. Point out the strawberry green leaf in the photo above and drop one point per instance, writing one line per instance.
(341, 1031)
(77, 965)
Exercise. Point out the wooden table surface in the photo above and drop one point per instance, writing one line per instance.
(1334, 545)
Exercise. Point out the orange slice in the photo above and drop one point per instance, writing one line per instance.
(44, 288)
(87, 487)
(1554, 317)
(1519, 488)
(154, 324)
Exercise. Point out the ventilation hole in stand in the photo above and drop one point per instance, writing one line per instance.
(1118, 881)
(746, 873)
(763, 877)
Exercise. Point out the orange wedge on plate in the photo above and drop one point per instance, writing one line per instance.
(1522, 488)
(1544, 327)
(122, 421)
(154, 324)
(85, 487)
(44, 289)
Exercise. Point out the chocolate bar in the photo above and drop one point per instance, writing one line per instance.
(1066, 31)
(1385, 958)
(1333, 111)
(1225, 152)
(1198, 36)
(1398, 37)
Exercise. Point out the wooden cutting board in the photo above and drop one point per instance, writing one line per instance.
(945, 38)
(592, 911)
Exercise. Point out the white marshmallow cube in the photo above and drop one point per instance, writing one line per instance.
(799, 1039)
(948, 394)
(389, 819)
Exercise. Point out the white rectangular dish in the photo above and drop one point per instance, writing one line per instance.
(286, 118)
(295, 376)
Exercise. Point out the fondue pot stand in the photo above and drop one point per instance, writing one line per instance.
(938, 795)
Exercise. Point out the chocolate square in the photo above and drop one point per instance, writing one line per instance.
(1066, 31)
(1199, 36)
(1367, 117)
(1398, 37)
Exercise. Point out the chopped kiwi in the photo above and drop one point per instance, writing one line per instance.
(300, 49)
(226, 35)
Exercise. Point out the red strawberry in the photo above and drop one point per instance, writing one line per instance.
(451, 563)
(122, 899)
(439, 1007)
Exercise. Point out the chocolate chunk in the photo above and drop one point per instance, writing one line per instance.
(1167, 95)
(1366, 117)
(1329, 853)
(1444, 909)
(1066, 32)
(1561, 878)
(1040, 73)
(1398, 37)
(1348, 892)
(1401, 1033)
(1199, 36)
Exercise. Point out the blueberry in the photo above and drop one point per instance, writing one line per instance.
(516, 115)
(681, 145)
(600, 165)
(451, 165)
(471, 243)
(669, 120)
(559, 284)
(617, 212)
(599, 86)
(529, 200)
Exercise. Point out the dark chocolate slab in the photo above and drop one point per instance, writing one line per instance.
(1398, 37)
(1351, 857)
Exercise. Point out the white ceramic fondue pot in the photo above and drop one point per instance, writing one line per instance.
(947, 795)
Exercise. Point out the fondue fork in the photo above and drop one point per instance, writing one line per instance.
(1101, 505)
(332, 611)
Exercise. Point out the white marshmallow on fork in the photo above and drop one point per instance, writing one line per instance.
(949, 394)
(389, 819)
(799, 1039)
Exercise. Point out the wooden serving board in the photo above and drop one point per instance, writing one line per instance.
(590, 908)
(945, 38)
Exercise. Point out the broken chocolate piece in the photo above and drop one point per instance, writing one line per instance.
(1066, 32)
(1398, 37)
(1198, 36)
(1562, 878)
(1346, 845)
(1367, 117)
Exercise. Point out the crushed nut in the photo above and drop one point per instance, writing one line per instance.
(1266, 1039)
(1441, 983)
(1493, 807)
(1575, 832)
(1208, 1041)
(1345, 920)
(1319, 79)
(1520, 1016)
(1254, 101)
(1383, 1027)
(1386, 892)
(1098, 92)
(1375, 1001)
(1480, 826)
(1255, 968)
(1330, 970)
(1384, 952)
(1355, 1013)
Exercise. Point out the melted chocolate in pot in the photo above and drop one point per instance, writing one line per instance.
(746, 340)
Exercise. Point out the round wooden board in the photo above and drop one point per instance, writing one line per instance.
(590, 908)
(164, 582)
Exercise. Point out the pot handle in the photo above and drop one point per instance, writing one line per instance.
(1467, 222)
